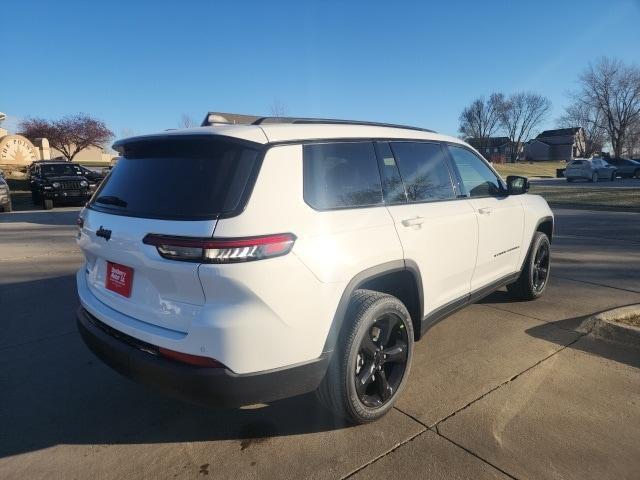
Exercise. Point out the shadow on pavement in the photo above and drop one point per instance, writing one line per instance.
(41, 217)
(588, 343)
(54, 391)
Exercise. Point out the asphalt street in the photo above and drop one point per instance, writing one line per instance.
(562, 182)
(502, 389)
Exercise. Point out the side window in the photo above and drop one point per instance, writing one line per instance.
(341, 175)
(424, 171)
(477, 178)
(392, 185)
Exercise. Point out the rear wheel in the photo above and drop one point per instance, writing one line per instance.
(371, 362)
(534, 276)
(47, 203)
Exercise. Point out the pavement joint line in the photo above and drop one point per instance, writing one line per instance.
(497, 387)
(394, 448)
(37, 340)
(470, 452)
(548, 322)
(594, 283)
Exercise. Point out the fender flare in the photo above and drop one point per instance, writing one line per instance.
(357, 281)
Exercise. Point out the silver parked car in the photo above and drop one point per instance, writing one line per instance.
(5, 194)
(591, 169)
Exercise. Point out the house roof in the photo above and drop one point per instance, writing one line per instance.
(490, 142)
(559, 132)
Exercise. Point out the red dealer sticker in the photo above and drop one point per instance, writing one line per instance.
(119, 279)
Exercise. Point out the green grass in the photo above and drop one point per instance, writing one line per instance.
(529, 169)
(590, 197)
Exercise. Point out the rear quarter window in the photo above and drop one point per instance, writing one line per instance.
(341, 175)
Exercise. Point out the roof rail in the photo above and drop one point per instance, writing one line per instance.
(333, 121)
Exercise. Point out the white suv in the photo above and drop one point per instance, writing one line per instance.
(242, 264)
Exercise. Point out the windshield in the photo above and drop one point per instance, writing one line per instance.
(60, 169)
(179, 178)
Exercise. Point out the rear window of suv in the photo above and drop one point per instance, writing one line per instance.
(179, 178)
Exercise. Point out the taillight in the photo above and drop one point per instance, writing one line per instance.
(221, 250)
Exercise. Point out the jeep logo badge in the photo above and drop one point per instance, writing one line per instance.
(104, 233)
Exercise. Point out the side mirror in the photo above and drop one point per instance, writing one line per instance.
(517, 185)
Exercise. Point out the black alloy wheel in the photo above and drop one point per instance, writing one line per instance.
(541, 267)
(381, 361)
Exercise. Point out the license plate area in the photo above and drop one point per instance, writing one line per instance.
(119, 279)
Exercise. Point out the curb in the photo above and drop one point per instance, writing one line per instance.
(604, 326)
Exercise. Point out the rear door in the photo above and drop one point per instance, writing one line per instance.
(438, 231)
(500, 218)
(175, 186)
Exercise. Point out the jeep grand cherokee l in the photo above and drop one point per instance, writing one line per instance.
(242, 264)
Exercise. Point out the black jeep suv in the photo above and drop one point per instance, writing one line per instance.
(58, 181)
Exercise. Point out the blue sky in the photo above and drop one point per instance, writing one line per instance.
(140, 65)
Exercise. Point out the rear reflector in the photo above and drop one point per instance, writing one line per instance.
(221, 250)
(196, 360)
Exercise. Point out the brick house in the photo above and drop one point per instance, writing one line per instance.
(494, 149)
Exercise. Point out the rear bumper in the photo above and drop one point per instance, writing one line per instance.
(200, 385)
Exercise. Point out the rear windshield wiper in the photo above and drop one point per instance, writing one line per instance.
(111, 200)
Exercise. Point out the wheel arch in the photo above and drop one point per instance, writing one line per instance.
(545, 225)
(399, 278)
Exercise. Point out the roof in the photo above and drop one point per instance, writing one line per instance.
(266, 133)
(489, 142)
(559, 132)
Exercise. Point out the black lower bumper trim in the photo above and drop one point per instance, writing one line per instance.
(200, 385)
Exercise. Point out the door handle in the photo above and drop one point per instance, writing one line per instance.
(485, 210)
(413, 222)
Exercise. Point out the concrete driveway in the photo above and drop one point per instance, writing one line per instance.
(502, 389)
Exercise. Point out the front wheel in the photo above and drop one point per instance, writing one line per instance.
(612, 177)
(594, 177)
(534, 276)
(47, 204)
(372, 359)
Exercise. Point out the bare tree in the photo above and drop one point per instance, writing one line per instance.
(481, 119)
(613, 88)
(522, 112)
(278, 109)
(69, 135)
(579, 114)
(186, 121)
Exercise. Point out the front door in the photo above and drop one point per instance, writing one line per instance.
(500, 218)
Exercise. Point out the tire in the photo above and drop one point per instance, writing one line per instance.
(8, 207)
(612, 177)
(594, 178)
(636, 174)
(530, 285)
(369, 315)
(47, 204)
(570, 180)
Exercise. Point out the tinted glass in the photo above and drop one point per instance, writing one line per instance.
(477, 178)
(178, 178)
(392, 186)
(424, 171)
(59, 169)
(341, 175)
